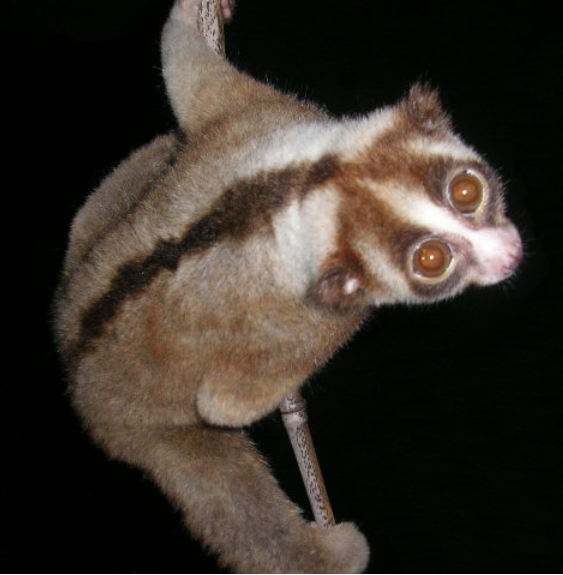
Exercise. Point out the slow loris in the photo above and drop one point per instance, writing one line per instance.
(220, 265)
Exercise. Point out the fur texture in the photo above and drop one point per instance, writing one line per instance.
(218, 267)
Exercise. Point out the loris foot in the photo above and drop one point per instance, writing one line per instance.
(227, 9)
(191, 8)
(344, 549)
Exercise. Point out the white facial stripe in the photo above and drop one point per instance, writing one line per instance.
(496, 249)
(441, 221)
(422, 212)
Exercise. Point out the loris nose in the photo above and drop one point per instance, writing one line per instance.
(513, 255)
(499, 251)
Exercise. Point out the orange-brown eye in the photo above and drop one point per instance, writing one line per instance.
(431, 259)
(466, 193)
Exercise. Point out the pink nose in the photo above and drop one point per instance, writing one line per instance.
(513, 258)
(510, 251)
(502, 256)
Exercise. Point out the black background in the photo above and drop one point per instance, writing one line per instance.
(438, 428)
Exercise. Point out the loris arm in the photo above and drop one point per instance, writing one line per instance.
(192, 72)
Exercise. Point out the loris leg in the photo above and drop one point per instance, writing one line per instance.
(230, 400)
(232, 503)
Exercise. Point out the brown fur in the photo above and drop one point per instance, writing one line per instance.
(179, 316)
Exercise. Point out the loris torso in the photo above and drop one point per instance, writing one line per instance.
(158, 280)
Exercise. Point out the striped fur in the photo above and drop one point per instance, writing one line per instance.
(218, 267)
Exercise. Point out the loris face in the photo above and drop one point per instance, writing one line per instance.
(421, 215)
(444, 232)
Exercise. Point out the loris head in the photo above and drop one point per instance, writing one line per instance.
(420, 215)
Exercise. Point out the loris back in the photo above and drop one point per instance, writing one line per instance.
(221, 265)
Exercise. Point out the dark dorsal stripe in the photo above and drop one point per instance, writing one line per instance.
(166, 165)
(240, 211)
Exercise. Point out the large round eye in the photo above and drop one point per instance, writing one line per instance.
(432, 258)
(465, 193)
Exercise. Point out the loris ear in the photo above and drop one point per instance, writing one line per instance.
(342, 281)
(422, 108)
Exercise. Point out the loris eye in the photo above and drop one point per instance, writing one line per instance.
(431, 259)
(465, 193)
